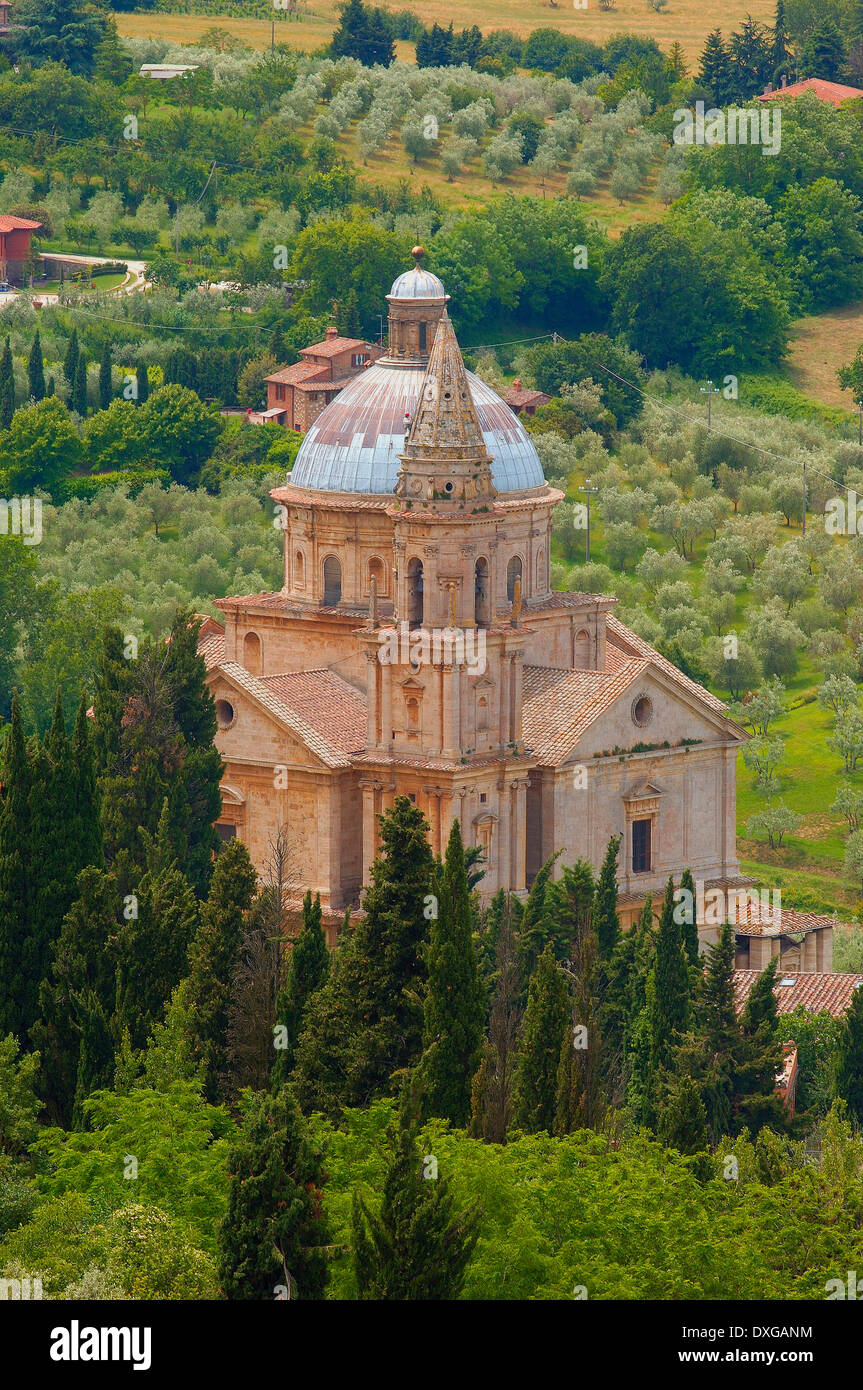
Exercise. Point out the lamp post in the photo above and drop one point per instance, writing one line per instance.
(709, 391)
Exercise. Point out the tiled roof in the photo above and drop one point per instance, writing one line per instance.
(331, 347)
(17, 224)
(817, 992)
(559, 705)
(834, 92)
(327, 703)
(752, 920)
(631, 644)
(300, 372)
(212, 649)
(278, 602)
(314, 694)
(525, 397)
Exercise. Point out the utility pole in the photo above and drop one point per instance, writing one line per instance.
(804, 497)
(709, 391)
(860, 422)
(588, 490)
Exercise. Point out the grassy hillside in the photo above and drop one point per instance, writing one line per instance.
(687, 22)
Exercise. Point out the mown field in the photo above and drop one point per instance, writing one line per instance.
(821, 344)
(687, 22)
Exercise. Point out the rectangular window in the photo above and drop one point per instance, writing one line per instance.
(280, 393)
(225, 833)
(641, 846)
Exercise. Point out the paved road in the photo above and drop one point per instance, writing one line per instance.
(134, 280)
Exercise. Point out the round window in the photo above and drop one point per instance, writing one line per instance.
(447, 487)
(224, 714)
(642, 711)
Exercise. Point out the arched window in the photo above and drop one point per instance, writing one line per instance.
(582, 649)
(423, 343)
(252, 653)
(481, 605)
(376, 573)
(415, 593)
(332, 582)
(299, 569)
(513, 572)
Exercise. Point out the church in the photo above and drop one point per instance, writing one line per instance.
(417, 648)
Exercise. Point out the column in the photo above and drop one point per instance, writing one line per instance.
(368, 790)
(503, 851)
(372, 667)
(451, 748)
(504, 700)
(386, 740)
(517, 673)
(519, 834)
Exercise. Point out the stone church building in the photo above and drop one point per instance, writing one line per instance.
(417, 647)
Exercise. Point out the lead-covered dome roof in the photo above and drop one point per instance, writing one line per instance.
(354, 444)
(417, 284)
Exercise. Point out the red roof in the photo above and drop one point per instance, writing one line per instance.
(816, 991)
(516, 396)
(16, 224)
(834, 92)
(331, 347)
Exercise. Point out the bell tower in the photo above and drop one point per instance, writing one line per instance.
(416, 302)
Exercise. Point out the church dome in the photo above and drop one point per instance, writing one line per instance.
(354, 444)
(417, 284)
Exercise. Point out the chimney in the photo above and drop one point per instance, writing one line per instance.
(784, 80)
(332, 332)
(516, 385)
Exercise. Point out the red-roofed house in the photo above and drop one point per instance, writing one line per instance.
(15, 236)
(296, 395)
(834, 92)
(520, 398)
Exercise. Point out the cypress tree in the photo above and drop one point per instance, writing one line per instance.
(213, 959)
(271, 1242)
(690, 928)
(351, 323)
(583, 1068)
(70, 362)
(142, 382)
(36, 370)
(95, 1055)
(419, 1246)
(371, 1000)
(720, 1032)
(849, 1069)
(605, 910)
(154, 941)
(85, 826)
(493, 1086)
(545, 1023)
(539, 924)
(779, 54)
(683, 1119)
(79, 394)
(308, 968)
(51, 386)
(79, 985)
(670, 1005)
(17, 880)
(7, 387)
(760, 1056)
(454, 1005)
(106, 389)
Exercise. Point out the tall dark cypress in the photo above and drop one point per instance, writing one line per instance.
(690, 926)
(546, 1021)
(454, 1006)
(142, 381)
(307, 971)
(7, 387)
(418, 1247)
(370, 1000)
(36, 370)
(271, 1242)
(70, 362)
(79, 394)
(606, 919)
(106, 389)
(78, 992)
(670, 1010)
(85, 823)
(213, 958)
(17, 880)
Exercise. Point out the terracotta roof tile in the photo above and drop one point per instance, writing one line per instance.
(327, 703)
(752, 920)
(834, 92)
(17, 224)
(817, 991)
(559, 705)
(525, 397)
(331, 347)
(298, 373)
(632, 644)
(212, 649)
